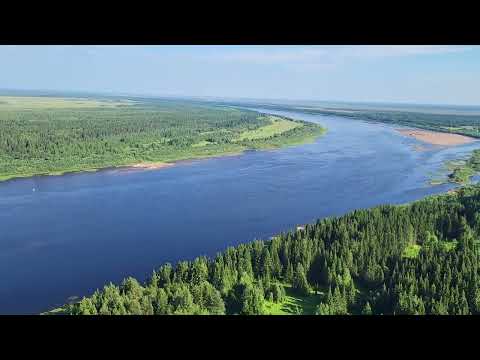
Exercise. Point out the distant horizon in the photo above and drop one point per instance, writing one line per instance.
(395, 74)
(72, 93)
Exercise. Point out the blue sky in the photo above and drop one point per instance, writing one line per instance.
(415, 74)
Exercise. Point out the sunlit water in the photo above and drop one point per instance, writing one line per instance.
(76, 232)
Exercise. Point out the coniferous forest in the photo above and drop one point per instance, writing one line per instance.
(420, 258)
(44, 135)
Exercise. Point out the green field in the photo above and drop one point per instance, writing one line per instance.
(52, 136)
(43, 103)
(277, 126)
(293, 304)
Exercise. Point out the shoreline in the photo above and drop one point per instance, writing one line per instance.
(436, 137)
(162, 164)
(140, 166)
(148, 165)
(61, 310)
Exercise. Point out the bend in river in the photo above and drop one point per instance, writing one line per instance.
(76, 232)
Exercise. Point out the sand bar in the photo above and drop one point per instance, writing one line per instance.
(150, 166)
(437, 138)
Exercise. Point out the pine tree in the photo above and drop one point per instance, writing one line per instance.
(367, 310)
(300, 283)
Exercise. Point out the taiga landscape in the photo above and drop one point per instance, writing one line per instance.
(178, 193)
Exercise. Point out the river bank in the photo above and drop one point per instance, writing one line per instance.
(307, 133)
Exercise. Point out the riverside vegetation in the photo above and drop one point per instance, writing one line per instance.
(461, 170)
(46, 135)
(419, 258)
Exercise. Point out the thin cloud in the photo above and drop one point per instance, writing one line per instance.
(375, 51)
(326, 56)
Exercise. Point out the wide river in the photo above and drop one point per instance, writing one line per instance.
(63, 236)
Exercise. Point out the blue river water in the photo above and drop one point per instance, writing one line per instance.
(76, 232)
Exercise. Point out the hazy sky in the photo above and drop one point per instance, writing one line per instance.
(418, 74)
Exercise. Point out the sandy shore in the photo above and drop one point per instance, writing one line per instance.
(149, 166)
(436, 138)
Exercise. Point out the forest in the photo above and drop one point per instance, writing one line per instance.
(456, 123)
(44, 135)
(414, 259)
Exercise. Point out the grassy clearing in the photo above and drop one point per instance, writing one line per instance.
(293, 304)
(277, 126)
(459, 128)
(411, 251)
(203, 143)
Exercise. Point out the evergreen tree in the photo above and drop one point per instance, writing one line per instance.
(367, 310)
(300, 283)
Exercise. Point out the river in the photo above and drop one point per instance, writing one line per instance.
(63, 236)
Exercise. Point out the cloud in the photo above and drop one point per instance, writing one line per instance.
(376, 51)
(324, 56)
(267, 55)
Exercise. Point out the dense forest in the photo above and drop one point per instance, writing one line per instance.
(420, 258)
(458, 124)
(52, 135)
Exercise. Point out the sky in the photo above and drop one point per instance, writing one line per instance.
(428, 74)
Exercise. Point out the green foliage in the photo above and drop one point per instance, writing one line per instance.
(300, 283)
(293, 304)
(252, 301)
(276, 293)
(462, 170)
(335, 303)
(412, 251)
(367, 310)
(276, 127)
